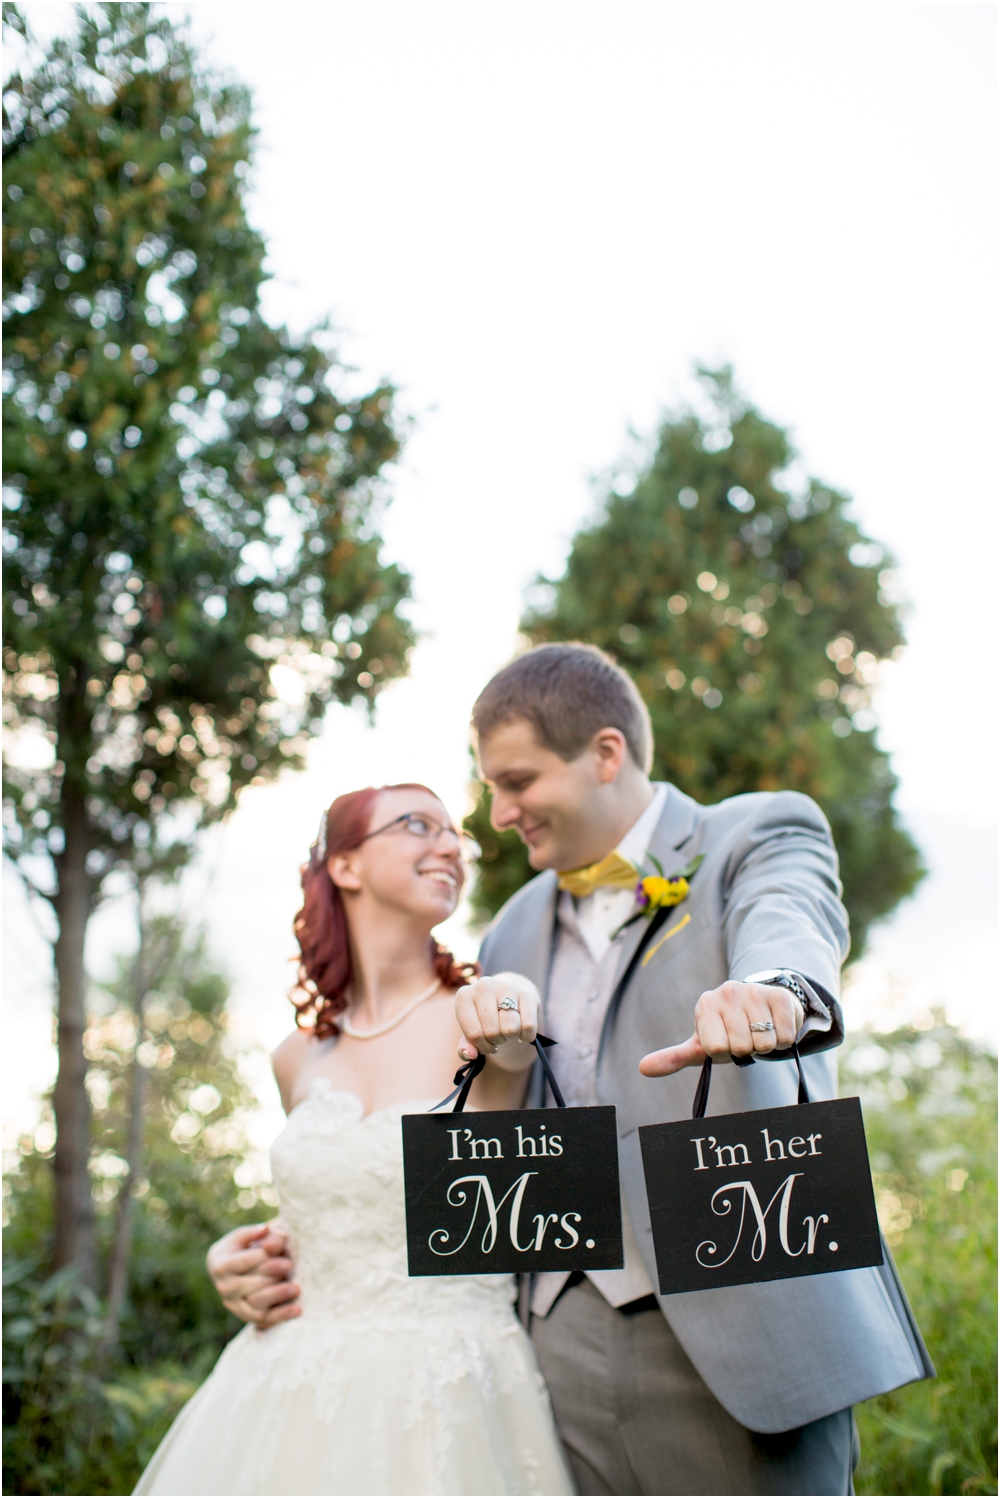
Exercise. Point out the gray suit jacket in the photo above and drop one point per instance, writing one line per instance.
(767, 895)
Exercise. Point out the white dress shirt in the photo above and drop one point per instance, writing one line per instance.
(584, 968)
(598, 915)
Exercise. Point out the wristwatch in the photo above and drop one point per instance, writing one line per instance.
(783, 980)
(819, 1011)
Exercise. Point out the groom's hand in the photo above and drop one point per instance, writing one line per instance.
(251, 1268)
(722, 1020)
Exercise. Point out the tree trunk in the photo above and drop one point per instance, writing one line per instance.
(121, 1249)
(75, 1229)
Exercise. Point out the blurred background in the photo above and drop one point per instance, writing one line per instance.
(344, 354)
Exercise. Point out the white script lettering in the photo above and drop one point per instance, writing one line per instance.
(484, 1193)
(730, 1149)
(793, 1143)
(759, 1244)
(698, 1144)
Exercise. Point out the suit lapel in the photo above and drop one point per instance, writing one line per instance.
(673, 831)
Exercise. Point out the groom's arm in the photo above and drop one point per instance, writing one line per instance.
(782, 896)
(782, 917)
(252, 1270)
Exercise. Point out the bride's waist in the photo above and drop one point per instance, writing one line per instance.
(380, 1293)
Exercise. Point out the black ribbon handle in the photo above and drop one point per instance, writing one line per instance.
(705, 1081)
(467, 1074)
(541, 1044)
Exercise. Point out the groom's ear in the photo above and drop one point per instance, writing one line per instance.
(609, 750)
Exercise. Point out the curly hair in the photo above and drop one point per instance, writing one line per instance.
(324, 971)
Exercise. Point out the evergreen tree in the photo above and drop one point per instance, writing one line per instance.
(753, 614)
(191, 495)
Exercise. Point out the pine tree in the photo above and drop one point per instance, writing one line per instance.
(753, 614)
(191, 495)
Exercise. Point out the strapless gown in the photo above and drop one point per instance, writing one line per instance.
(384, 1384)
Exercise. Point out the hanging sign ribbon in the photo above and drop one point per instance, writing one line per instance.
(467, 1074)
(768, 1195)
(512, 1190)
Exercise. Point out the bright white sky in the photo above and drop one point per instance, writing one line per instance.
(535, 217)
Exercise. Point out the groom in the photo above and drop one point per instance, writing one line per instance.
(736, 1390)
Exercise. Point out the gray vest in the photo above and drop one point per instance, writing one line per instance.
(767, 895)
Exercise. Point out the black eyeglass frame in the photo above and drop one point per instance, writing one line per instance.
(467, 846)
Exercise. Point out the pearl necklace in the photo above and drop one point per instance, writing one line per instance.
(349, 1029)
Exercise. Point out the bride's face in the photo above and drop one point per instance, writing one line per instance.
(410, 861)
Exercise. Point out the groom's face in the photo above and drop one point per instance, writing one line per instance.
(557, 806)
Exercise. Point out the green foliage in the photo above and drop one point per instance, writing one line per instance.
(930, 1102)
(191, 495)
(752, 614)
(66, 1428)
(75, 1423)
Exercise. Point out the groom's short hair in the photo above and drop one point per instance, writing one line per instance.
(567, 693)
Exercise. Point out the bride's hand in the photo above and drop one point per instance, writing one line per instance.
(251, 1268)
(487, 1024)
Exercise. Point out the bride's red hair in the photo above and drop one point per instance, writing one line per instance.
(324, 975)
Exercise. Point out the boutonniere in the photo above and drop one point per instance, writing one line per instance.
(659, 891)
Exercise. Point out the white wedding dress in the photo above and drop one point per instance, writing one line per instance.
(384, 1384)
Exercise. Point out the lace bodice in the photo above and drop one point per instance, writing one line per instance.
(340, 1178)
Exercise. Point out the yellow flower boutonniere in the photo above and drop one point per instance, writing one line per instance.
(655, 891)
(659, 892)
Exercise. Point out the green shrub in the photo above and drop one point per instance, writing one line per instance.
(929, 1098)
(66, 1429)
(79, 1418)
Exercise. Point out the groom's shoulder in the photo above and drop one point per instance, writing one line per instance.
(522, 925)
(756, 812)
(533, 897)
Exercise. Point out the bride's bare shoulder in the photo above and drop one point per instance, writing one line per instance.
(293, 1050)
(288, 1058)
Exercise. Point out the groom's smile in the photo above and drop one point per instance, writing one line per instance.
(568, 812)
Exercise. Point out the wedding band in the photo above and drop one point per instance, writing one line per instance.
(762, 1025)
(508, 1004)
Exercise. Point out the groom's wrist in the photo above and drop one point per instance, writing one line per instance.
(816, 1015)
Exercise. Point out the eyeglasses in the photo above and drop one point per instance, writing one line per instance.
(428, 829)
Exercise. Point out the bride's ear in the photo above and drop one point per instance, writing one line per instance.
(342, 871)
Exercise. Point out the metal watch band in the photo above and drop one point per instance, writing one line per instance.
(785, 980)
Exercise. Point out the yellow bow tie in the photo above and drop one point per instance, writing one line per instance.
(612, 870)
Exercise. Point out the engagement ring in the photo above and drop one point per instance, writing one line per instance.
(508, 1004)
(762, 1025)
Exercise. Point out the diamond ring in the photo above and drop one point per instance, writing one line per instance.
(762, 1025)
(508, 1003)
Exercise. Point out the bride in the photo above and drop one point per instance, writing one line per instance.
(373, 1382)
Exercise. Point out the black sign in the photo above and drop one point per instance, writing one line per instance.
(768, 1195)
(520, 1190)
